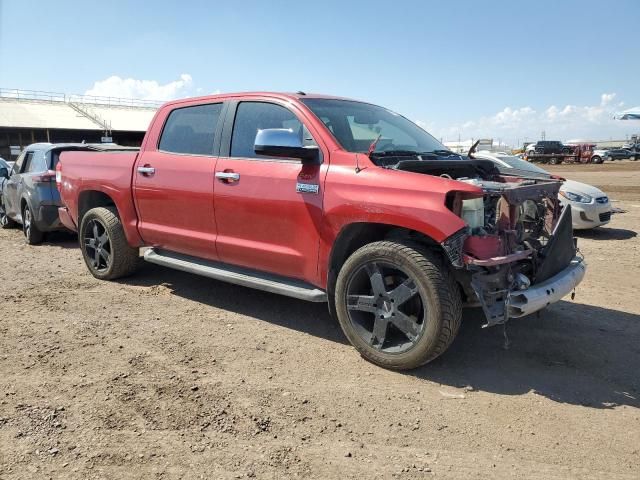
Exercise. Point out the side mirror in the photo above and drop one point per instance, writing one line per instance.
(4, 173)
(283, 142)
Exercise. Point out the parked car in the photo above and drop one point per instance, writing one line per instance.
(549, 147)
(6, 164)
(590, 206)
(621, 154)
(28, 193)
(600, 155)
(326, 200)
(5, 168)
(549, 151)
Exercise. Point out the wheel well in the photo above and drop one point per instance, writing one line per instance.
(92, 199)
(357, 235)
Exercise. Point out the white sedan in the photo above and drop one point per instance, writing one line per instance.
(590, 206)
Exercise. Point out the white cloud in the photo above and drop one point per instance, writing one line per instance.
(515, 124)
(115, 86)
(606, 98)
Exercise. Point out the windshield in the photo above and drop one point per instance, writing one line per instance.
(357, 125)
(515, 162)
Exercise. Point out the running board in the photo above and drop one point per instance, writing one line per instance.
(237, 275)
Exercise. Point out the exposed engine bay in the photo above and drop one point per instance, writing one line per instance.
(517, 237)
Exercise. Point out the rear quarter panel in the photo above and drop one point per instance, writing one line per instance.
(109, 173)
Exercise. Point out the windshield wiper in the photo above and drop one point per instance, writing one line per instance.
(441, 153)
(395, 153)
(432, 153)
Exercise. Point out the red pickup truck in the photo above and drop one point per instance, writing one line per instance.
(328, 200)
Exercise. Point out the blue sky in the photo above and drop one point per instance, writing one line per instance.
(504, 69)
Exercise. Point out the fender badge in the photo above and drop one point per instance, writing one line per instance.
(307, 188)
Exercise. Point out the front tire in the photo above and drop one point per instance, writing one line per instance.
(32, 234)
(398, 304)
(104, 246)
(5, 221)
(596, 159)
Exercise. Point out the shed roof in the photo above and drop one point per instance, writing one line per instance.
(129, 119)
(34, 114)
(20, 113)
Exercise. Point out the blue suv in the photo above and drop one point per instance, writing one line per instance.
(28, 192)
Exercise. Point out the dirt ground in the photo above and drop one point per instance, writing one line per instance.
(168, 375)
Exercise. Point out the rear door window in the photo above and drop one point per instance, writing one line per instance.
(26, 162)
(35, 163)
(191, 130)
(17, 167)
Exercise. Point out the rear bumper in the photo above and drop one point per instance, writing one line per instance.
(66, 219)
(536, 297)
(47, 218)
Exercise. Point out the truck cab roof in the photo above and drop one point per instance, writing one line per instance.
(277, 95)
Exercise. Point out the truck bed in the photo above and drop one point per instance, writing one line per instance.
(108, 172)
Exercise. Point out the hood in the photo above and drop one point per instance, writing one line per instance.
(577, 187)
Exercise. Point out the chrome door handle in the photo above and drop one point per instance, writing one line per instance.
(146, 170)
(229, 176)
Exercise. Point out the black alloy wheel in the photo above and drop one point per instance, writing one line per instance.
(398, 303)
(385, 307)
(104, 244)
(97, 245)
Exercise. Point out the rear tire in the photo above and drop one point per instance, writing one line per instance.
(32, 233)
(398, 304)
(104, 245)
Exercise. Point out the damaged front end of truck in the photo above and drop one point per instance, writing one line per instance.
(517, 253)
